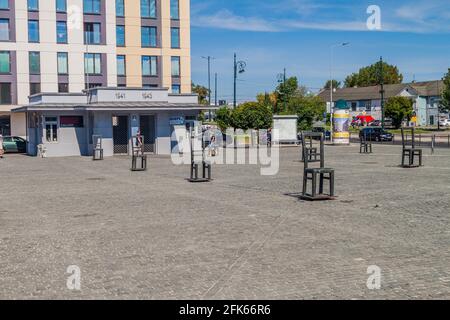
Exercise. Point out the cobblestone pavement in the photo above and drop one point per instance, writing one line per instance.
(152, 235)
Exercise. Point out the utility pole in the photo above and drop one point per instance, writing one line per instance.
(235, 79)
(382, 91)
(331, 84)
(284, 84)
(438, 106)
(215, 89)
(209, 83)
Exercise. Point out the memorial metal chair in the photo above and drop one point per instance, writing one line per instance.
(365, 145)
(196, 163)
(97, 144)
(139, 158)
(316, 175)
(409, 150)
(309, 150)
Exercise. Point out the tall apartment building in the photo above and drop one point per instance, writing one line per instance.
(69, 45)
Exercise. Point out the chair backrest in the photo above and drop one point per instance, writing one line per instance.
(307, 143)
(138, 145)
(408, 137)
(97, 141)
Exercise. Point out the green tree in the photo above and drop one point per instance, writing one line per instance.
(445, 101)
(224, 118)
(202, 93)
(370, 76)
(399, 109)
(336, 84)
(252, 115)
(308, 108)
(285, 91)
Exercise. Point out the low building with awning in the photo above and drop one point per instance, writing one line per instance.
(65, 123)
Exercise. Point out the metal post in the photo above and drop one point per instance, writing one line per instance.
(215, 89)
(235, 79)
(382, 92)
(209, 87)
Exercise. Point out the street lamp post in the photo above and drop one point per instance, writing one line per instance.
(209, 83)
(239, 67)
(282, 79)
(331, 84)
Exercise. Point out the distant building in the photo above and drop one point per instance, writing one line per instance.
(367, 100)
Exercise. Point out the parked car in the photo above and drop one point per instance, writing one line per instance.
(327, 133)
(444, 123)
(375, 134)
(14, 144)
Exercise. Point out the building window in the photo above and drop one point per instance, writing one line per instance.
(33, 31)
(92, 33)
(4, 29)
(92, 6)
(175, 37)
(5, 93)
(35, 62)
(61, 6)
(120, 36)
(148, 8)
(175, 9)
(366, 105)
(120, 8)
(5, 62)
(4, 4)
(176, 89)
(175, 66)
(33, 5)
(148, 36)
(63, 63)
(63, 87)
(354, 106)
(93, 63)
(61, 32)
(71, 121)
(121, 65)
(35, 87)
(149, 66)
(51, 129)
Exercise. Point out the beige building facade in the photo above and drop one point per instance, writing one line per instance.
(65, 46)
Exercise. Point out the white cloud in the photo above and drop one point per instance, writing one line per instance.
(225, 19)
(428, 17)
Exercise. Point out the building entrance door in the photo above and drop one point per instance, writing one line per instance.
(147, 126)
(120, 134)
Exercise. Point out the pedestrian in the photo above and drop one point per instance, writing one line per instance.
(1, 147)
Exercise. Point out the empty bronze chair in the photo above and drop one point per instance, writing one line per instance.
(316, 175)
(139, 158)
(409, 151)
(97, 144)
(365, 145)
(197, 164)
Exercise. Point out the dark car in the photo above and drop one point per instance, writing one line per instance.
(326, 133)
(14, 144)
(375, 134)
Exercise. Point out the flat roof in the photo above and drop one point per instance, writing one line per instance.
(113, 106)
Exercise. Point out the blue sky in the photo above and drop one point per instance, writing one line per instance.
(297, 34)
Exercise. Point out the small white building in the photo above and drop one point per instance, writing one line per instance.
(64, 123)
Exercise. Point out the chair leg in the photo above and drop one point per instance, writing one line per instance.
(321, 184)
(314, 185)
(305, 183)
(331, 184)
